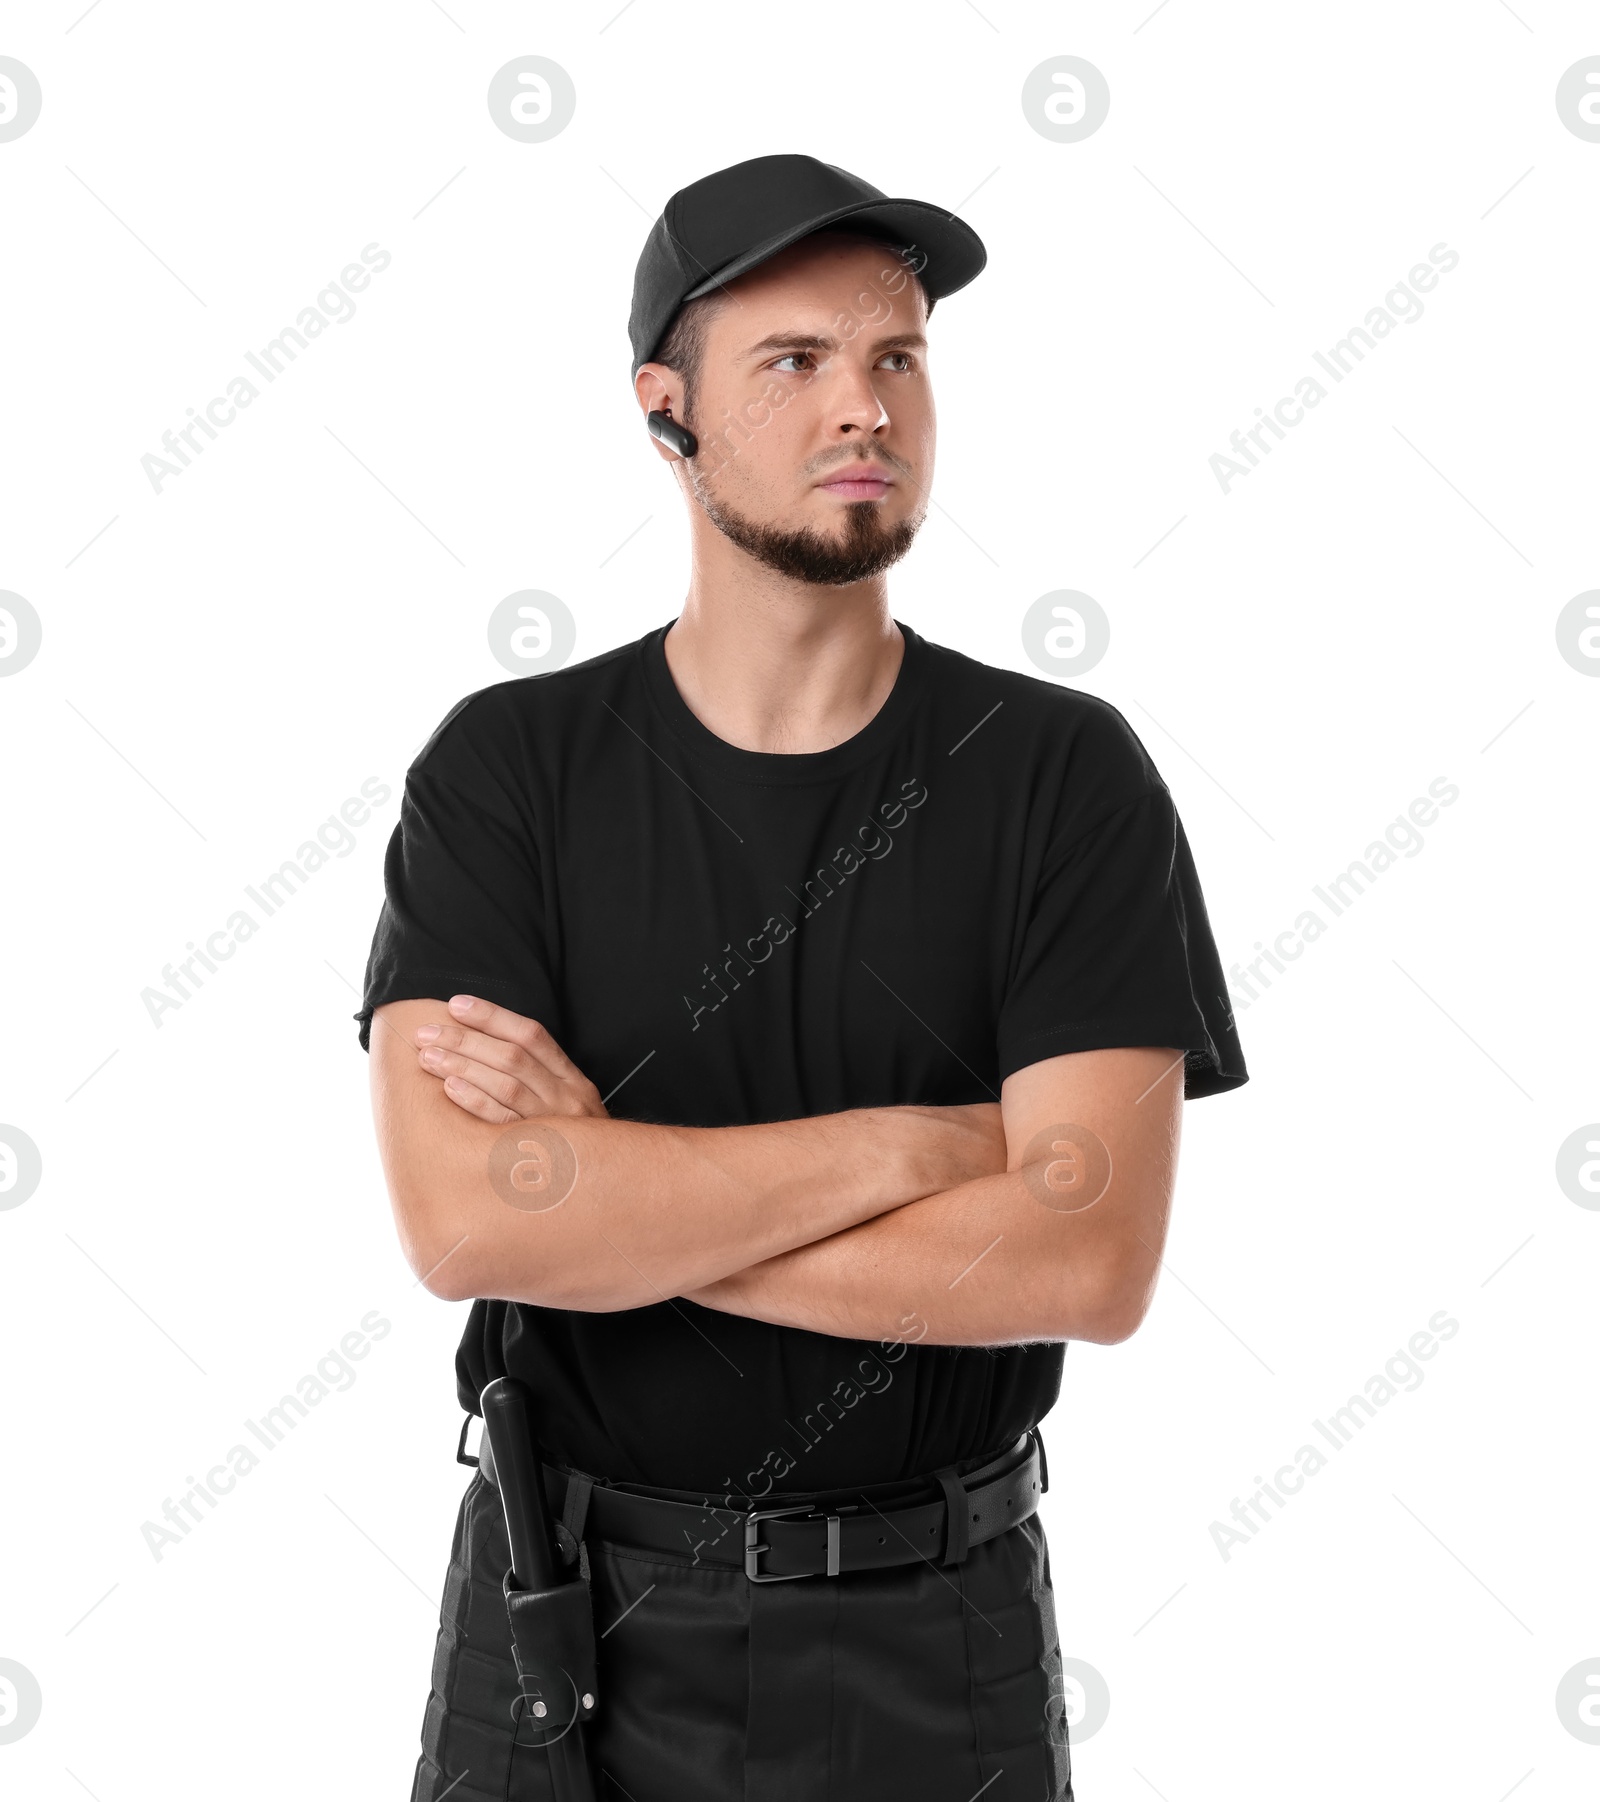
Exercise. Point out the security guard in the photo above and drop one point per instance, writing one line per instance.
(779, 1028)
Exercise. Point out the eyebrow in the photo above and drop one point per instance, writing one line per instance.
(790, 341)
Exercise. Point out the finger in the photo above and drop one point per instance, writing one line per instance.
(502, 1023)
(475, 1102)
(498, 1054)
(507, 1090)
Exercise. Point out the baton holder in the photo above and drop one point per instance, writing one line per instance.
(552, 1640)
(550, 1611)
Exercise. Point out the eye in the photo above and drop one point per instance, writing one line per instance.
(789, 357)
(902, 353)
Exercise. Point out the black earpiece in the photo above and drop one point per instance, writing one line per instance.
(674, 436)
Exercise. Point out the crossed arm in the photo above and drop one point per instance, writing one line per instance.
(970, 1225)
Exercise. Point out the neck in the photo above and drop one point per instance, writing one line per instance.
(788, 672)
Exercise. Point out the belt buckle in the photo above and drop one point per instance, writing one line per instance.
(753, 1547)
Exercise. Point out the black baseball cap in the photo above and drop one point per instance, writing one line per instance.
(727, 222)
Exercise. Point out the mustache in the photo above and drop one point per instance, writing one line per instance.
(873, 462)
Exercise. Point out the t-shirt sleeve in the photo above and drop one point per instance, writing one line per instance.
(464, 903)
(1117, 950)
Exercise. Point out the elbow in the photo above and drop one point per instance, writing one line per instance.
(1102, 1306)
(436, 1251)
(461, 1245)
(1112, 1324)
(1120, 1302)
(439, 1278)
(434, 1240)
(455, 1260)
(452, 1278)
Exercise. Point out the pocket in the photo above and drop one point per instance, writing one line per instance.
(1058, 1751)
(1014, 1657)
(467, 1728)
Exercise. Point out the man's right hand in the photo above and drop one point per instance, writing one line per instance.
(964, 1142)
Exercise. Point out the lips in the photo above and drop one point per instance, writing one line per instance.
(858, 481)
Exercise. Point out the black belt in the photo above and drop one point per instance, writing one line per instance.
(823, 1536)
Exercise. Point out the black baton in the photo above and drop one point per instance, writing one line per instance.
(552, 1617)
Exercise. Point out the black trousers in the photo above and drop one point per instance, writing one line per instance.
(923, 1681)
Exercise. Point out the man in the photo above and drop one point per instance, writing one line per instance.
(781, 1029)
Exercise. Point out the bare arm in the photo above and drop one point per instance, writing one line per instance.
(1065, 1244)
(547, 1200)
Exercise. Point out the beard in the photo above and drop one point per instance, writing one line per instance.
(865, 548)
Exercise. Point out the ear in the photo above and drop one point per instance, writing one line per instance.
(658, 390)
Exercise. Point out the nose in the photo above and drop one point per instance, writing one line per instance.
(854, 401)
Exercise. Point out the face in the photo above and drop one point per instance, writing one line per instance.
(814, 412)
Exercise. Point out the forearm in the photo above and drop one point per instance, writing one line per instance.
(984, 1263)
(598, 1214)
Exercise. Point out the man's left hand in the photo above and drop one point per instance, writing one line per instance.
(501, 1066)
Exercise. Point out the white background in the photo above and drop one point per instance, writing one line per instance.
(1374, 607)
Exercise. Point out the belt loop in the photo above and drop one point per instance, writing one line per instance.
(575, 1510)
(955, 1508)
(1044, 1468)
(574, 1513)
(461, 1444)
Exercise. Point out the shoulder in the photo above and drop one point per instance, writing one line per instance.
(506, 721)
(1076, 745)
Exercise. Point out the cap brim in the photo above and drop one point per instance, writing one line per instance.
(953, 251)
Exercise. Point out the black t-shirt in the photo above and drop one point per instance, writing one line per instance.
(989, 873)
